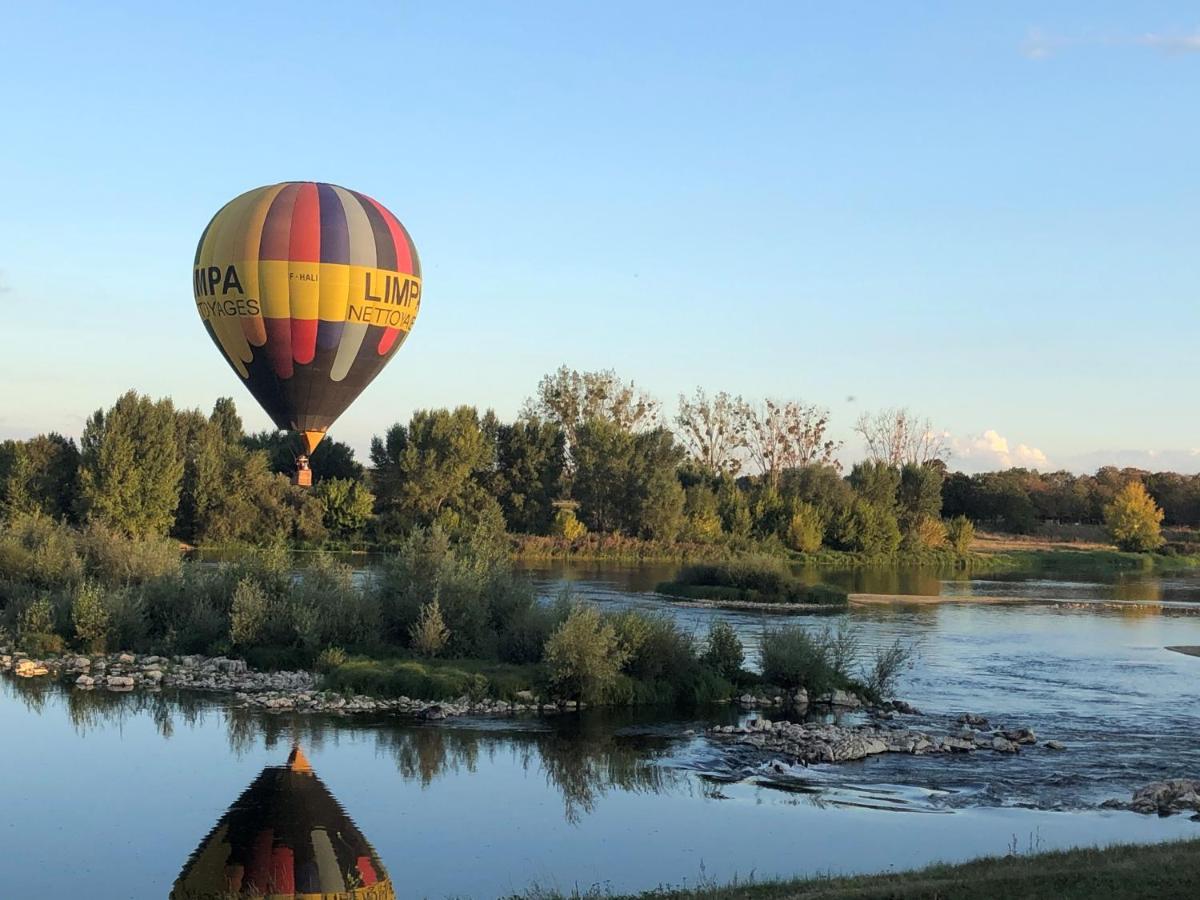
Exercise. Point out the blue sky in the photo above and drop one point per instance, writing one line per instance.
(987, 213)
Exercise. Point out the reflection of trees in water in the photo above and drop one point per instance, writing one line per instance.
(1138, 590)
(582, 758)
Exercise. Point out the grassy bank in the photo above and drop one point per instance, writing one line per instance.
(1129, 872)
(761, 579)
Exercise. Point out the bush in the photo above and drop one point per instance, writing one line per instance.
(927, 533)
(960, 533)
(429, 632)
(330, 658)
(805, 529)
(90, 616)
(1134, 520)
(826, 595)
(566, 525)
(879, 680)
(792, 658)
(248, 614)
(723, 651)
(584, 655)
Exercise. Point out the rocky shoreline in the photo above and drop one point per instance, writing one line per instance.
(296, 691)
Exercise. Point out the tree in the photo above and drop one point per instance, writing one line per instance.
(723, 652)
(876, 482)
(433, 465)
(787, 435)
(805, 528)
(570, 399)
(39, 475)
(528, 477)
(347, 505)
(712, 432)
(919, 497)
(429, 633)
(227, 421)
(131, 466)
(1134, 520)
(960, 532)
(584, 655)
(895, 437)
(700, 511)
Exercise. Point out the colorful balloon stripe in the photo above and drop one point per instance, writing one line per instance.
(308, 289)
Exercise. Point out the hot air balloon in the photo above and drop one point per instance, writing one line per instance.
(286, 836)
(308, 289)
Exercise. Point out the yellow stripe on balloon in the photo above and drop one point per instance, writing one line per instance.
(276, 294)
(226, 328)
(253, 327)
(334, 291)
(304, 286)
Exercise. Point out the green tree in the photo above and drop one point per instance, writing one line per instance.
(920, 495)
(429, 633)
(566, 525)
(571, 399)
(876, 482)
(701, 516)
(723, 651)
(528, 477)
(432, 469)
(39, 475)
(584, 655)
(131, 466)
(347, 505)
(331, 459)
(1134, 520)
(91, 617)
(805, 528)
(960, 532)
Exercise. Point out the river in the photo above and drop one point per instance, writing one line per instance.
(109, 795)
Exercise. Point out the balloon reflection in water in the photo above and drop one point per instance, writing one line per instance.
(285, 836)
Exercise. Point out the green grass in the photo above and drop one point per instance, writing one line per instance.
(431, 679)
(1128, 872)
(819, 594)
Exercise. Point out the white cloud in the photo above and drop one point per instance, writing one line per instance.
(1041, 45)
(991, 450)
(1184, 461)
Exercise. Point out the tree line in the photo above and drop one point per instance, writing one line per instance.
(588, 453)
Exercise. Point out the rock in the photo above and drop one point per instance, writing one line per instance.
(1166, 797)
(958, 745)
(846, 699)
(85, 681)
(525, 696)
(31, 668)
(1021, 736)
(126, 659)
(119, 682)
(974, 720)
(1003, 745)
(906, 708)
(1054, 745)
(747, 700)
(432, 713)
(800, 698)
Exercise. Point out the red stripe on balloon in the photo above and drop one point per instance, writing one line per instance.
(305, 244)
(279, 346)
(404, 263)
(277, 226)
(304, 340)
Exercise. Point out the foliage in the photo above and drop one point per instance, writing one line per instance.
(702, 520)
(793, 658)
(960, 533)
(429, 633)
(713, 431)
(570, 398)
(347, 504)
(567, 526)
(91, 617)
(723, 651)
(584, 655)
(927, 533)
(248, 612)
(330, 658)
(805, 528)
(331, 459)
(885, 667)
(895, 437)
(1134, 520)
(40, 475)
(786, 435)
(131, 466)
(529, 473)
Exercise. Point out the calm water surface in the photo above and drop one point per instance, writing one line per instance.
(110, 795)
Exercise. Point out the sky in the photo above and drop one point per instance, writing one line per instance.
(986, 213)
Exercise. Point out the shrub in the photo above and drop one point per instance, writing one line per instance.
(248, 614)
(584, 655)
(723, 651)
(90, 616)
(792, 658)
(330, 658)
(566, 525)
(960, 533)
(879, 679)
(1134, 520)
(805, 529)
(928, 533)
(35, 629)
(826, 595)
(114, 559)
(429, 633)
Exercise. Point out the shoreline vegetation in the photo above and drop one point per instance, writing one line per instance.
(1119, 871)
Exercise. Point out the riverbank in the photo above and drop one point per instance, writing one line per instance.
(1187, 651)
(1121, 872)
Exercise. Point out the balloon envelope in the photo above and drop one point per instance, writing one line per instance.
(308, 289)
